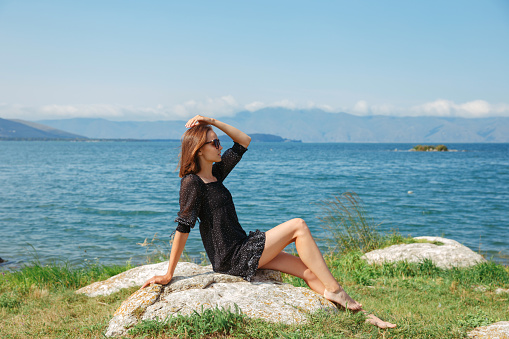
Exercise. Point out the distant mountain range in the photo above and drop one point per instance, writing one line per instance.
(306, 125)
(26, 130)
(319, 126)
(20, 129)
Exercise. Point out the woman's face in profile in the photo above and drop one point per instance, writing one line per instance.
(208, 151)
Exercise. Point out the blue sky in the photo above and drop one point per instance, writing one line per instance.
(164, 60)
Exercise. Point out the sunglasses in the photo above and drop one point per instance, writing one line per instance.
(216, 143)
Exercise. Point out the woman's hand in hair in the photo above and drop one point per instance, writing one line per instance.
(234, 133)
(199, 120)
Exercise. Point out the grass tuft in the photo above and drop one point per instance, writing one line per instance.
(10, 300)
(350, 226)
(217, 321)
(476, 319)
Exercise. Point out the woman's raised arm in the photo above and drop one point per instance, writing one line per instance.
(237, 135)
(179, 242)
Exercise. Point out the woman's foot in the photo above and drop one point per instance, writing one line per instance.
(342, 298)
(373, 319)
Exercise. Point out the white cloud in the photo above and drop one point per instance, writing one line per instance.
(223, 106)
(326, 108)
(228, 106)
(59, 109)
(470, 109)
(361, 107)
(112, 112)
(476, 108)
(384, 109)
(440, 107)
(254, 106)
(257, 105)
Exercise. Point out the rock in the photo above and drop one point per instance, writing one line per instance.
(498, 330)
(194, 287)
(1, 260)
(133, 277)
(450, 254)
(501, 290)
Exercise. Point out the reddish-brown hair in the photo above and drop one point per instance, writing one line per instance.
(192, 140)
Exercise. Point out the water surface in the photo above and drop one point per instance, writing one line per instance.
(95, 201)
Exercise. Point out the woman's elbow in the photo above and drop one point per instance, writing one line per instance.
(244, 141)
(248, 141)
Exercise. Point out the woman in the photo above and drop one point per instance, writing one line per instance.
(229, 248)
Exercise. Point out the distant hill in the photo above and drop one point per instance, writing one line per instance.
(259, 137)
(20, 129)
(105, 129)
(310, 126)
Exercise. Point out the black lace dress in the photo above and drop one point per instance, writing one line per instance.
(229, 248)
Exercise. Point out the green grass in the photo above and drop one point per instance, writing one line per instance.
(38, 301)
(424, 300)
(207, 322)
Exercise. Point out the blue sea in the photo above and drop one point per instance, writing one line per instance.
(97, 201)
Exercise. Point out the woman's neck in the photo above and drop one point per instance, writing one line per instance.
(206, 171)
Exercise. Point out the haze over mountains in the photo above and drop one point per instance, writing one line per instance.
(309, 126)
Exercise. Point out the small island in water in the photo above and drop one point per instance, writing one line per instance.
(430, 148)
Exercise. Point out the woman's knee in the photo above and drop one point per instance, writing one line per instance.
(300, 226)
(309, 276)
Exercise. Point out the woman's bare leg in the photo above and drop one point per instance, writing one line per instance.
(296, 230)
(287, 263)
(293, 265)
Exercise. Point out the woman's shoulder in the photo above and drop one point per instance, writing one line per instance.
(190, 178)
(191, 182)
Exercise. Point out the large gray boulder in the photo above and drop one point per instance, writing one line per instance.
(498, 330)
(194, 287)
(450, 254)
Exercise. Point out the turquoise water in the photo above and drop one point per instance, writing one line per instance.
(95, 201)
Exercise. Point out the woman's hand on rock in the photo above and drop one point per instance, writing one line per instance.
(158, 279)
(199, 120)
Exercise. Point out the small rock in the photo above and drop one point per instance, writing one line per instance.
(450, 254)
(498, 330)
(501, 290)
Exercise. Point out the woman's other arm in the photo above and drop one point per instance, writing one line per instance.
(237, 135)
(177, 248)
